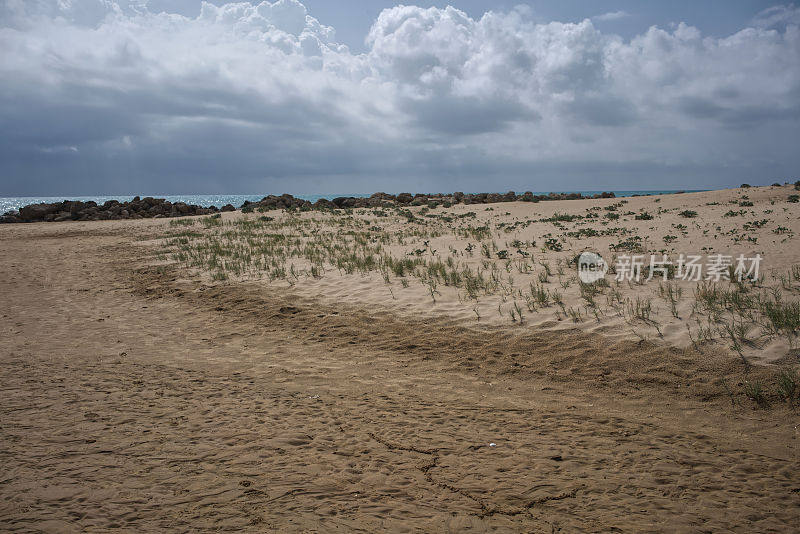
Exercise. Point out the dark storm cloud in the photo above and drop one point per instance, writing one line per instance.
(463, 116)
(100, 96)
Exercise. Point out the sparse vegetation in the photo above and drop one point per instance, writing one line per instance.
(479, 258)
(788, 385)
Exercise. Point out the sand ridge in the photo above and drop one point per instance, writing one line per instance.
(511, 264)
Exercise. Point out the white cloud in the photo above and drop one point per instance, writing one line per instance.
(611, 15)
(244, 92)
(777, 17)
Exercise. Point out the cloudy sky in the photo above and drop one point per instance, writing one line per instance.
(327, 96)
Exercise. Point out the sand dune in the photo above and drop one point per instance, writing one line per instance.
(142, 395)
(523, 254)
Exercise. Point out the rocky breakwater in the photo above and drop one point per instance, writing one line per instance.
(286, 201)
(149, 207)
(138, 208)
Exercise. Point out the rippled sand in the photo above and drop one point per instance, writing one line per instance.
(142, 398)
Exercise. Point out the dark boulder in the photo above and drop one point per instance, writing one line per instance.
(37, 212)
(10, 217)
(383, 196)
(344, 202)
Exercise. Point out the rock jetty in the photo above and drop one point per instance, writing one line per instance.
(149, 207)
(75, 210)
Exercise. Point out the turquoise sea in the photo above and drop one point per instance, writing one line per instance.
(14, 203)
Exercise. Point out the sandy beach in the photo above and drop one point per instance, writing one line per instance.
(155, 381)
(469, 266)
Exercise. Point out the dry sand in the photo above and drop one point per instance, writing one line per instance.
(142, 396)
(740, 222)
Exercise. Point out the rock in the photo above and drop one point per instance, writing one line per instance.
(10, 217)
(37, 212)
(228, 207)
(344, 202)
(74, 208)
(385, 197)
